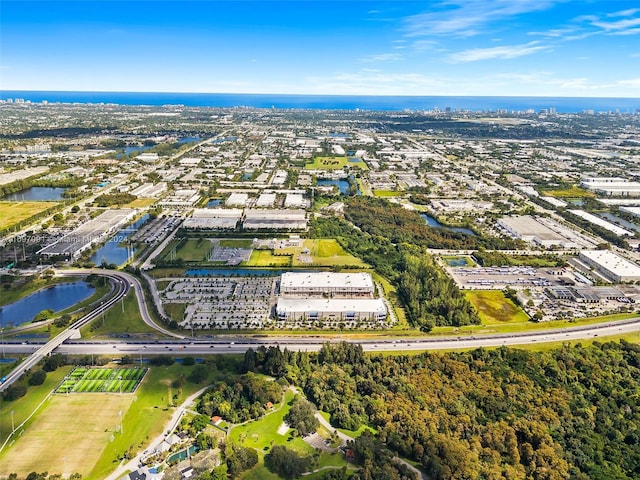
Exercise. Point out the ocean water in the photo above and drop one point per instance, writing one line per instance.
(334, 102)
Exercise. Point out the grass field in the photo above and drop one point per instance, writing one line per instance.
(262, 434)
(25, 406)
(493, 307)
(12, 213)
(323, 253)
(79, 433)
(67, 436)
(110, 380)
(189, 250)
(386, 193)
(141, 203)
(116, 321)
(574, 192)
(266, 258)
(175, 310)
(334, 163)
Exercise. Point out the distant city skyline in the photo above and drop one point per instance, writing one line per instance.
(452, 47)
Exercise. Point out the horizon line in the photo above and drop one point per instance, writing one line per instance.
(5, 90)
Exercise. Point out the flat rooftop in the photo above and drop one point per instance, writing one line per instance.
(319, 280)
(612, 262)
(330, 305)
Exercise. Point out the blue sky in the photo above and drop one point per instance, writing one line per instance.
(448, 47)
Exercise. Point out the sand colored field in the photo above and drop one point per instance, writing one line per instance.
(14, 212)
(68, 435)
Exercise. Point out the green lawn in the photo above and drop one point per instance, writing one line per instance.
(574, 192)
(148, 414)
(12, 213)
(261, 434)
(117, 322)
(493, 307)
(23, 407)
(324, 253)
(175, 310)
(266, 258)
(334, 163)
(194, 249)
(386, 193)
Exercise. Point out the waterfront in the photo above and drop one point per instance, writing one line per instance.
(36, 194)
(56, 298)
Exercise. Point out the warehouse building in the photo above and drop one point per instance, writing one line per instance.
(88, 234)
(612, 266)
(329, 297)
(332, 310)
(321, 284)
(258, 219)
(213, 219)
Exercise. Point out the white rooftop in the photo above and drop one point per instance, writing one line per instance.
(373, 305)
(325, 280)
(612, 262)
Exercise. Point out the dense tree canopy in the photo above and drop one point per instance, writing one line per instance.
(570, 413)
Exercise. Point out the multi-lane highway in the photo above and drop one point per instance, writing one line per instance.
(239, 344)
(224, 344)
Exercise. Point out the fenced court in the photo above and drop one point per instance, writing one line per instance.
(109, 380)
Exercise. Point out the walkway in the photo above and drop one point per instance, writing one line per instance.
(171, 425)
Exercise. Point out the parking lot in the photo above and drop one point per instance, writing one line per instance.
(223, 302)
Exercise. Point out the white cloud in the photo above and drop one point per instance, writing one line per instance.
(504, 52)
(382, 57)
(624, 13)
(467, 17)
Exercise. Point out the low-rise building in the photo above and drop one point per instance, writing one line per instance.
(611, 265)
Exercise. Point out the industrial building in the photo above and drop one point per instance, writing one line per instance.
(214, 219)
(237, 200)
(266, 200)
(611, 186)
(257, 219)
(332, 310)
(611, 265)
(329, 297)
(319, 284)
(530, 229)
(93, 232)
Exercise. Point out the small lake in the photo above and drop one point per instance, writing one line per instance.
(432, 222)
(342, 184)
(132, 149)
(114, 250)
(56, 298)
(214, 202)
(36, 194)
(232, 272)
(189, 139)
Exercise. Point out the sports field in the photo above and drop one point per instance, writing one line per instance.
(110, 380)
(70, 435)
(493, 307)
(14, 212)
